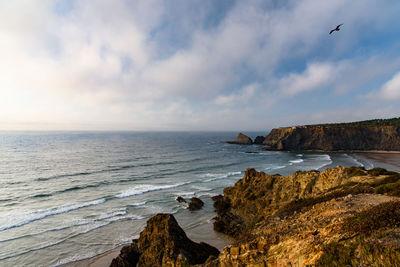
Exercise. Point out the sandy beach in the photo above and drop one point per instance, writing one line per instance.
(387, 160)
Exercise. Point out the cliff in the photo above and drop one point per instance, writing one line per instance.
(338, 217)
(335, 137)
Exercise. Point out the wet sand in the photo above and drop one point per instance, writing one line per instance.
(387, 160)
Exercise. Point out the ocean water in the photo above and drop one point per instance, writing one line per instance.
(68, 196)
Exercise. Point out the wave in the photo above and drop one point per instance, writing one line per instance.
(299, 155)
(15, 219)
(138, 204)
(355, 160)
(108, 217)
(295, 161)
(326, 158)
(89, 229)
(114, 169)
(145, 188)
(220, 176)
(276, 167)
(182, 194)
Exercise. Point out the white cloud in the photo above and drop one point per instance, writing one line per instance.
(132, 63)
(314, 77)
(391, 89)
(242, 97)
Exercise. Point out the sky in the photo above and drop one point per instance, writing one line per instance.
(201, 65)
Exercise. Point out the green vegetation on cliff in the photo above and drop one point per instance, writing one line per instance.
(375, 122)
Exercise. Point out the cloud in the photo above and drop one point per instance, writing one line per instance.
(242, 97)
(129, 64)
(391, 89)
(314, 77)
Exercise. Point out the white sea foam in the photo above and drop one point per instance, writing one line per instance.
(111, 214)
(201, 188)
(326, 161)
(138, 204)
(295, 161)
(359, 164)
(299, 155)
(145, 188)
(220, 176)
(276, 167)
(18, 218)
(184, 193)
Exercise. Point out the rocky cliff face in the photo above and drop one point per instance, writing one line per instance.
(335, 137)
(163, 243)
(338, 217)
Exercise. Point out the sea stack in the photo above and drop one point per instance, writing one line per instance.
(241, 139)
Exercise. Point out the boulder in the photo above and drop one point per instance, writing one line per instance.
(241, 139)
(195, 204)
(181, 199)
(163, 243)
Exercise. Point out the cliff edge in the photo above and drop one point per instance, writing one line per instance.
(336, 137)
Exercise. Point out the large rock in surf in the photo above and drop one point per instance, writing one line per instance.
(195, 204)
(241, 139)
(163, 243)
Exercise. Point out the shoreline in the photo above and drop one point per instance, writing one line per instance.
(102, 259)
(334, 151)
(389, 160)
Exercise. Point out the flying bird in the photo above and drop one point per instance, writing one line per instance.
(336, 29)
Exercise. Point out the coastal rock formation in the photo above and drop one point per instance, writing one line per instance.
(195, 204)
(335, 137)
(241, 139)
(181, 199)
(259, 140)
(163, 243)
(338, 217)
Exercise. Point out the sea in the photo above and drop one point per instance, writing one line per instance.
(68, 196)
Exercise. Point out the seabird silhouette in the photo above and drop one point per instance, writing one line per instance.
(336, 29)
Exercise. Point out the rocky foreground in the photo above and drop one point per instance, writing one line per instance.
(341, 216)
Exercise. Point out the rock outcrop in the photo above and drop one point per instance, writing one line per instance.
(335, 138)
(163, 243)
(343, 216)
(195, 204)
(259, 140)
(241, 139)
(181, 199)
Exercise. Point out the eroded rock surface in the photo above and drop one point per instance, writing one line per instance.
(164, 243)
(338, 217)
